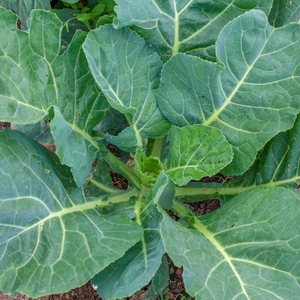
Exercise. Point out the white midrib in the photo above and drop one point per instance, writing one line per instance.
(228, 100)
(198, 225)
(234, 190)
(197, 166)
(176, 45)
(97, 203)
(177, 42)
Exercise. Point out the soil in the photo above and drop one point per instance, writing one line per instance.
(4, 125)
(175, 289)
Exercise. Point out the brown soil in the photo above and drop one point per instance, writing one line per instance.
(4, 125)
(175, 289)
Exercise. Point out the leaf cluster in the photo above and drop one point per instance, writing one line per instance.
(185, 90)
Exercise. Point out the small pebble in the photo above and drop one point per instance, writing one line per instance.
(178, 272)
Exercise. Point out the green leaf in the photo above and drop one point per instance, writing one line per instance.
(195, 152)
(134, 270)
(23, 8)
(106, 19)
(35, 78)
(249, 248)
(160, 280)
(39, 131)
(113, 122)
(20, 103)
(99, 182)
(148, 168)
(71, 25)
(163, 191)
(127, 71)
(140, 263)
(75, 148)
(51, 238)
(284, 12)
(277, 165)
(186, 26)
(251, 99)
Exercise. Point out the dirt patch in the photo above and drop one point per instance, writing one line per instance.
(4, 125)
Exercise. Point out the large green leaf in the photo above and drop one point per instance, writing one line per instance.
(137, 267)
(34, 78)
(127, 71)
(247, 249)
(51, 238)
(277, 165)
(188, 26)
(23, 8)
(251, 99)
(284, 12)
(195, 152)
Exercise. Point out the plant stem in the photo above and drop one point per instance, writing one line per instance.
(195, 191)
(206, 192)
(155, 147)
(128, 119)
(180, 209)
(139, 202)
(118, 166)
(96, 203)
(116, 199)
(104, 187)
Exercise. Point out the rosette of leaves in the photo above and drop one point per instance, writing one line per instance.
(62, 222)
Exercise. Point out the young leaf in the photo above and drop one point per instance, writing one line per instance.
(127, 71)
(35, 78)
(182, 26)
(249, 248)
(195, 152)
(51, 238)
(253, 98)
(148, 168)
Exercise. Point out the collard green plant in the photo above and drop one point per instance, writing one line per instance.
(190, 89)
